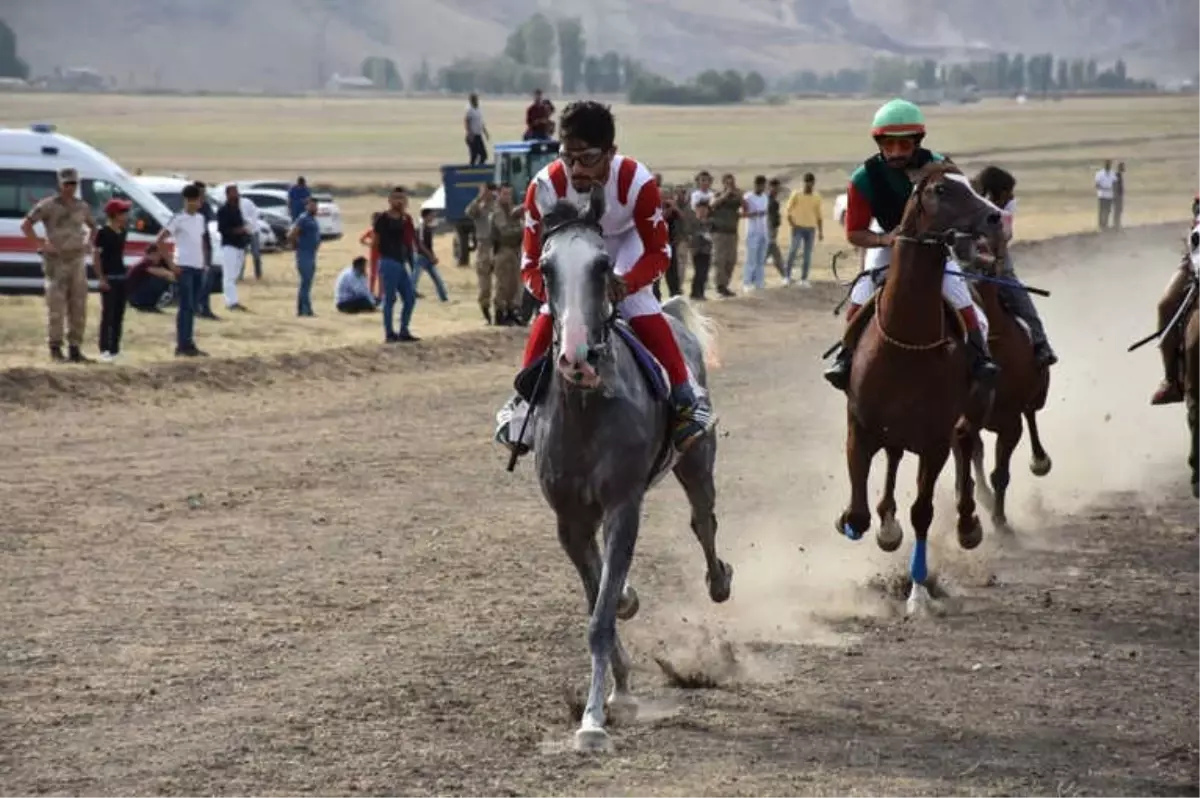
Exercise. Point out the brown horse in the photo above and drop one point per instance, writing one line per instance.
(1191, 391)
(909, 388)
(1020, 392)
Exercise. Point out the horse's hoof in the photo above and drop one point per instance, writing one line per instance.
(844, 527)
(890, 535)
(592, 740)
(1195, 490)
(720, 585)
(919, 602)
(972, 536)
(622, 708)
(1040, 467)
(628, 605)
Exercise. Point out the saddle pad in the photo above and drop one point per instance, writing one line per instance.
(652, 370)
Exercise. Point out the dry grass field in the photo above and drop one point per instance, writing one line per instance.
(1054, 148)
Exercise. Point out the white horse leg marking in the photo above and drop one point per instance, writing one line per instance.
(919, 601)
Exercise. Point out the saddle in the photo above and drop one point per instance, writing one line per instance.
(865, 313)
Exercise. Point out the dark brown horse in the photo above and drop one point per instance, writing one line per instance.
(909, 388)
(1020, 392)
(1191, 391)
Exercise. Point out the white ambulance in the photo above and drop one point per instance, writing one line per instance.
(29, 162)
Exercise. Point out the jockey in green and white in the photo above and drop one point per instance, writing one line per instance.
(879, 190)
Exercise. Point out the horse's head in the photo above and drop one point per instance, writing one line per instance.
(1193, 244)
(946, 208)
(576, 269)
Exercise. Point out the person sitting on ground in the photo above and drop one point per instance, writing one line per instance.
(148, 280)
(351, 292)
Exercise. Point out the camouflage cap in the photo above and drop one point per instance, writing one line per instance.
(67, 175)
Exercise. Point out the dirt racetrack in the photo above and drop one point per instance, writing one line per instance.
(314, 576)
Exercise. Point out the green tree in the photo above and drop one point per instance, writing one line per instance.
(572, 50)
(1015, 78)
(422, 79)
(516, 48)
(593, 74)
(1092, 71)
(382, 72)
(755, 84)
(1062, 79)
(539, 41)
(1119, 73)
(1078, 73)
(11, 65)
(1003, 70)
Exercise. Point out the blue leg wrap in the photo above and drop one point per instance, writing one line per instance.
(918, 568)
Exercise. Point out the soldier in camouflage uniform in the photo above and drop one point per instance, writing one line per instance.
(64, 218)
(508, 232)
(480, 209)
(726, 215)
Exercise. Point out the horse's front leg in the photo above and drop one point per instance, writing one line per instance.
(921, 515)
(890, 534)
(860, 448)
(1007, 438)
(1193, 419)
(695, 473)
(578, 539)
(970, 531)
(620, 537)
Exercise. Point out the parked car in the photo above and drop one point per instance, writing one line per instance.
(271, 195)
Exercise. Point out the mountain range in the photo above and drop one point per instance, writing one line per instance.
(292, 45)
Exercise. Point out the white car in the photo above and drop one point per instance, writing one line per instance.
(271, 196)
(169, 191)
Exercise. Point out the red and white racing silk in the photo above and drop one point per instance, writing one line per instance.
(634, 229)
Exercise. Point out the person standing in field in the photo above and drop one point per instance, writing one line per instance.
(702, 248)
(69, 227)
(480, 211)
(1104, 181)
(251, 216)
(774, 222)
(235, 238)
(508, 233)
(804, 216)
(424, 259)
(305, 236)
(726, 216)
(539, 118)
(476, 131)
(187, 229)
(1118, 205)
(396, 239)
(298, 196)
(754, 208)
(703, 189)
(108, 260)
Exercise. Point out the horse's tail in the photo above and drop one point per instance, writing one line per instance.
(699, 325)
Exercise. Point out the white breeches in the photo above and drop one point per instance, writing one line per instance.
(626, 249)
(954, 286)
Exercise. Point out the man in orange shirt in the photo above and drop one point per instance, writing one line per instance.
(367, 239)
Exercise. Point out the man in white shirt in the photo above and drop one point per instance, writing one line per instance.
(187, 229)
(703, 190)
(251, 216)
(1105, 182)
(351, 292)
(754, 209)
(476, 131)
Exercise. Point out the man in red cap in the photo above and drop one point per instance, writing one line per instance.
(108, 261)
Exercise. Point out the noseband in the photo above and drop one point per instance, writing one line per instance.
(603, 350)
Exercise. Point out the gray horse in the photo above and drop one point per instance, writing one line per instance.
(600, 445)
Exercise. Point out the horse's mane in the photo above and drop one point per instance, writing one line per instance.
(561, 214)
(566, 214)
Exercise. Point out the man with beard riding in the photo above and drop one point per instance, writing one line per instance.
(879, 189)
(635, 234)
(1170, 390)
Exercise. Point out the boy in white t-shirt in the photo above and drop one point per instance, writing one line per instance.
(703, 190)
(999, 186)
(1105, 181)
(754, 209)
(187, 229)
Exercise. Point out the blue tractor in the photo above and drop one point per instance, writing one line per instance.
(515, 163)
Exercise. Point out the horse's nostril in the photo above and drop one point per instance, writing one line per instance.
(593, 357)
(993, 218)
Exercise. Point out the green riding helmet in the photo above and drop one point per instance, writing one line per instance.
(898, 118)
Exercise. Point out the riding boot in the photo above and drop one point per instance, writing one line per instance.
(983, 369)
(1169, 390)
(838, 374)
(693, 416)
(487, 314)
(504, 431)
(1021, 305)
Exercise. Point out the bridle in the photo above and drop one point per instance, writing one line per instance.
(946, 239)
(601, 351)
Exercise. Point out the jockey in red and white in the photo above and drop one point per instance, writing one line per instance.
(635, 234)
